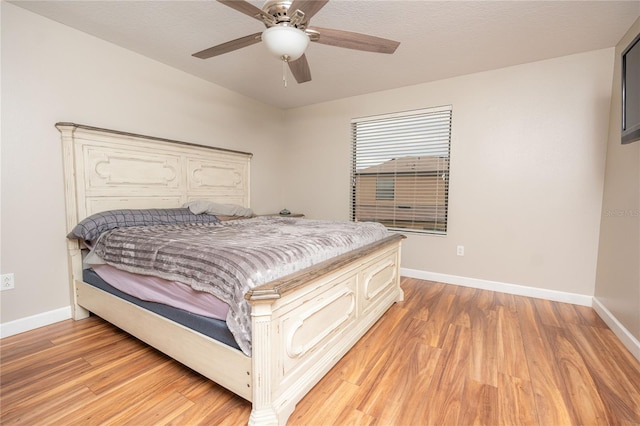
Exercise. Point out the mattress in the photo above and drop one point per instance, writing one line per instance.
(214, 328)
(156, 289)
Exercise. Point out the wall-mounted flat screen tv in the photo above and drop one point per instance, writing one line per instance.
(631, 92)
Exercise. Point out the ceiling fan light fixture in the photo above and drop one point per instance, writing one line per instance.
(287, 43)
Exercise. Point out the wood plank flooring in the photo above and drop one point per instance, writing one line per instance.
(447, 355)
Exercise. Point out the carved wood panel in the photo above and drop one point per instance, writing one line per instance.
(108, 170)
(130, 170)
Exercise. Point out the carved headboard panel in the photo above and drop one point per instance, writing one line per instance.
(106, 169)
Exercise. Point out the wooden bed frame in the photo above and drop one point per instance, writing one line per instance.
(302, 324)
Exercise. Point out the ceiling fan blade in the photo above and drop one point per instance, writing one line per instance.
(229, 46)
(245, 7)
(309, 7)
(355, 41)
(300, 69)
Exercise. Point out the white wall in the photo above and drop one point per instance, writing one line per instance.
(52, 73)
(618, 273)
(528, 155)
(527, 167)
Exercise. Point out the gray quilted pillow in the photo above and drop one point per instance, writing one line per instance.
(93, 226)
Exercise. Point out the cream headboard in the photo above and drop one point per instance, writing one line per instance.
(107, 169)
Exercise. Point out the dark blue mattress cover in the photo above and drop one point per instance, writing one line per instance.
(211, 327)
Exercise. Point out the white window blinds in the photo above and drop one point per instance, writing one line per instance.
(400, 169)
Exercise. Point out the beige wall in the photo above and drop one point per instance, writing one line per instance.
(52, 73)
(527, 167)
(618, 271)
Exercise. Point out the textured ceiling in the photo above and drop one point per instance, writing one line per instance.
(439, 39)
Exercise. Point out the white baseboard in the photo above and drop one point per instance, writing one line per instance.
(540, 293)
(29, 323)
(627, 339)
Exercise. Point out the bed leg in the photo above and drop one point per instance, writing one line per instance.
(263, 412)
(265, 416)
(75, 276)
(80, 313)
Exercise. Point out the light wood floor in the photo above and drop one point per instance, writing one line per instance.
(448, 355)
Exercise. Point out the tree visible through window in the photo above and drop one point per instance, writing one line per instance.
(400, 169)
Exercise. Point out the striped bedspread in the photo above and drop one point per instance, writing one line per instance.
(229, 258)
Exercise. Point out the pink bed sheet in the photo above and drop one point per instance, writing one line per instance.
(172, 293)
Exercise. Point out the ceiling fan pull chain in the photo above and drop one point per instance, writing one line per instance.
(284, 71)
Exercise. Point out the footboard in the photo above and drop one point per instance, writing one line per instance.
(302, 327)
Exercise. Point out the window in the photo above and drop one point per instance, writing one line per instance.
(400, 169)
(385, 187)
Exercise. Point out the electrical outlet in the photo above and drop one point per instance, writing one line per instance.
(460, 250)
(6, 282)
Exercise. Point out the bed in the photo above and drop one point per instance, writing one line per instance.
(301, 323)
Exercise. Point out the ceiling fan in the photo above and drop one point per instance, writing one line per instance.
(288, 34)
